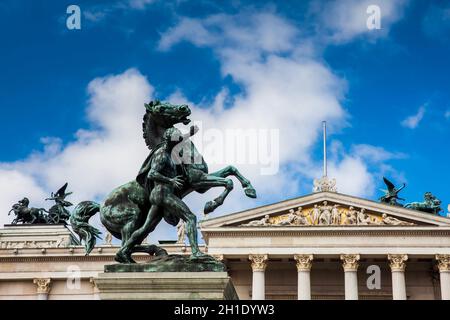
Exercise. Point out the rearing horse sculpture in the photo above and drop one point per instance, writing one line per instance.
(126, 208)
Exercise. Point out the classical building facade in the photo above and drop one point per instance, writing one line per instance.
(321, 246)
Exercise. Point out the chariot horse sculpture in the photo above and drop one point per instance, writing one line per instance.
(26, 214)
(126, 208)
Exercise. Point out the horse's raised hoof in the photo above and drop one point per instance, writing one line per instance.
(250, 192)
(123, 258)
(210, 206)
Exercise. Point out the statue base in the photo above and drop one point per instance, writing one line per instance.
(36, 236)
(165, 286)
(171, 263)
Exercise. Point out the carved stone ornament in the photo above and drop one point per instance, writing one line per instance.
(181, 232)
(350, 262)
(327, 214)
(33, 244)
(108, 239)
(43, 285)
(324, 185)
(259, 261)
(398, 261)
(443, 262)
(218, 257)
(304, 261)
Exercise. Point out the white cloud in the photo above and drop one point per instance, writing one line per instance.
(261, 32)
(375, 154)
(447, 114)
(284, 87)
(139, 4)
(99, 160)
(414, 120)
(99, 12)
(342, 21)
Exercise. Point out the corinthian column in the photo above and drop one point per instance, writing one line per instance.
(43, 288)
(259, 263)
(398, 266)
(304, 263)
(350, 265)
(444, 272)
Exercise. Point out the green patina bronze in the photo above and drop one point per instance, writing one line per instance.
(171, 263)
(431, 204)
(391, 194)
(58, 212)
(173, 169)
(55, 215)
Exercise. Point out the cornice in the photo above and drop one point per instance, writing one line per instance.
(324, 231)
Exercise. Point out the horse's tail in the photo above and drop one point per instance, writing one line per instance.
(79, 220)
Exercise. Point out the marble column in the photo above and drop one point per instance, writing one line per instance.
(43, 288)
(259, 263)
(444, 272)
(304, 264)
(398, 266)
(350, 265)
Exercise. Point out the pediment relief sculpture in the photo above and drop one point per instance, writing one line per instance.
(327, 214)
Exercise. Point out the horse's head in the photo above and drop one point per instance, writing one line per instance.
(24, 202)
(167, 114)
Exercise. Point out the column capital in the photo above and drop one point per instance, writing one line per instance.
(43, 285)
(304, 261)
(350, 262)
(443, 262)
(398, 261)
(259, 261)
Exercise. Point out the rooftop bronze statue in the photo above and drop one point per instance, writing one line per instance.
(27, 215)
(58, 212)
(431, 204)
(131, 211)
(391, 194)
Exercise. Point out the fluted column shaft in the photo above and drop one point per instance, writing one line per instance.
(398, 266)
(444, 274)
(304, 264)
(259, 264)
(350, 265)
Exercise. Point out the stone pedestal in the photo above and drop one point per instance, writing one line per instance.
(24, 236)
(165, 286)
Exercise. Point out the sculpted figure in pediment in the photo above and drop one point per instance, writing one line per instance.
(257, 223)
(394, 221)
(363, 218)
(335, 215)
(350, 216)
(325, 215)
(315, 215)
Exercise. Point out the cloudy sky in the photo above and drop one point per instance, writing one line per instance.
(71, 101)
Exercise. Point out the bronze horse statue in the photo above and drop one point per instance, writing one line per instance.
(431, 204)
(27, 215)
(125, 209)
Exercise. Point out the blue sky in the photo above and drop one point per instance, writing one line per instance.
(385, 93)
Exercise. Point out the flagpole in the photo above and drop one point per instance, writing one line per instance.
(324, 124)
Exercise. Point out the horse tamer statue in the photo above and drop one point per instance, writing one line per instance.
(173, 169)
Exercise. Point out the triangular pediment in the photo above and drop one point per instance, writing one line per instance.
(326, 209)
